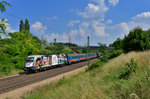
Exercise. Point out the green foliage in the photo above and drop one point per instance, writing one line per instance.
(137, 40)
(24, 26)
(123, 73)
(118, 44)
(136, 87)
(3, 22)
(132, 65)
(94, 65)
(105, 52)
(14, 50)
(118, 74)
(21, 26)
(5, 64)
(62, 81)
(45, 52)
(102, 47)
(115, 53)
(44, 43)
(3, 5)
(84, 51)
(27, 25)
(3, 26)
(60, 48)
(106, 56)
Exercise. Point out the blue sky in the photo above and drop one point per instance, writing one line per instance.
(103, 20)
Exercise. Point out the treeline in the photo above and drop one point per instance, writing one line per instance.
(136, 40)
(64, 44)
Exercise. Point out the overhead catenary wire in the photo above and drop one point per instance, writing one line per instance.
(83, 3)
(15, 16)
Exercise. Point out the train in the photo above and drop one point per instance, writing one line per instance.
(43, 62)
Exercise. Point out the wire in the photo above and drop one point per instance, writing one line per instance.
(29, 20)
(13, 15)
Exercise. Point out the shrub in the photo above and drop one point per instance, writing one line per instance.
(96, 64)
(132, 65)
(116, 53)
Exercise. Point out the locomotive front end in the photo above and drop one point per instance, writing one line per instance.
(29, 64)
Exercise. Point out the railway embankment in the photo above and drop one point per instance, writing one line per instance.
(124, 77)
(16, 86)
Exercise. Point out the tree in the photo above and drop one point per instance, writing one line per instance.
(44, 43)
(27, 25)
(105, 52)
(21, 26)
(3, 21)
(118, 44)
(136, 40)
(102, 47)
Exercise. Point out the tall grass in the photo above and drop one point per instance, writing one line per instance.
(113, 80)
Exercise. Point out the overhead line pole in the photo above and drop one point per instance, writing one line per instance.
(55, 44)
(88, 50)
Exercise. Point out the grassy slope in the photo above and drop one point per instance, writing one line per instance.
(103, 82)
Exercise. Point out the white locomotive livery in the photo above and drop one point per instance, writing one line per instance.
(38, 62)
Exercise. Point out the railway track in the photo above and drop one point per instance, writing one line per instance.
(11, 83)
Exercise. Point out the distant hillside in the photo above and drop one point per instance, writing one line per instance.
(124, 77)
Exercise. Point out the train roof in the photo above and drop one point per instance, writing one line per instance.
(34, 55)
(80, 54)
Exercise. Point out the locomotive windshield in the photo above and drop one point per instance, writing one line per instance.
(30, 59)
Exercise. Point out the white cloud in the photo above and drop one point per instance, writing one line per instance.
(49, 18)
(124, 26)
(73, 33)
(83, 29)
(142, 20)
(143, 17)
(95, 10)
(72, 23)
(121, 29)
(99, 29)
(82, 32)
(109, 22)
(38, 27)
(133, 24)
(84, 24)
(113, 2)
(59, 37)
(9, 29)
(92, 25)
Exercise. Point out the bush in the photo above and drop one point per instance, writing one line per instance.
(94, 65)
(132, 65)
(116, 53)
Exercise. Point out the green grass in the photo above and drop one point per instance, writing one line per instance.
(113, 80)
(13, 72)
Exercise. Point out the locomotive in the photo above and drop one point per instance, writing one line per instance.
(40, 62)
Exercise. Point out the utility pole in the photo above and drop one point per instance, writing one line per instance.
(88, 47)
(69, 40)
(55, 44)
(42, 36)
